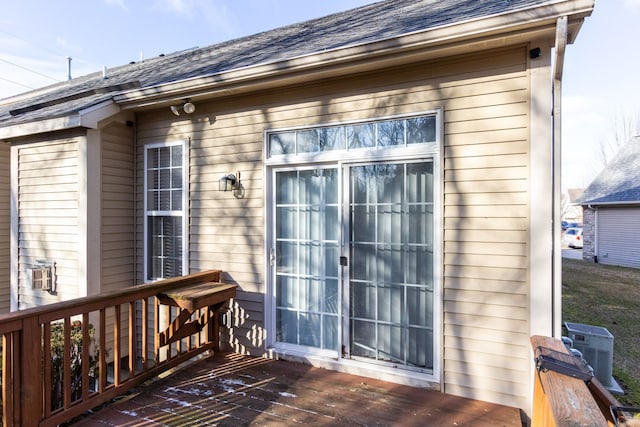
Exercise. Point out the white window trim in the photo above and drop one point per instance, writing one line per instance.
(185, 205)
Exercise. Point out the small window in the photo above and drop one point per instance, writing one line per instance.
(165, 210)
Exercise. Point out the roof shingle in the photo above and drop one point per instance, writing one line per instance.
(366, 24)
(619, 182)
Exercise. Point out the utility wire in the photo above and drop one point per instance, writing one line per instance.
(30, 70)
(16, 83)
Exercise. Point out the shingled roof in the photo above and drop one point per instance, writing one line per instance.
(375, 22)
(619, 182)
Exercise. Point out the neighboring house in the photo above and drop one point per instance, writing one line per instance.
(611, 207)
(393, 169)
(572, 212)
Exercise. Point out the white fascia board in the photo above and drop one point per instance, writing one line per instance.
(39, 126)
(492, 31)
(91, 117)
(596, 204)
(88, 118)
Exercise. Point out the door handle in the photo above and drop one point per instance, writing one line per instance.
(272, 256)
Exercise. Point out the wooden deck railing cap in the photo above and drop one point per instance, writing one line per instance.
(561, 400)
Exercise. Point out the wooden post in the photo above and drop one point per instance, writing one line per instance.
(31, 375)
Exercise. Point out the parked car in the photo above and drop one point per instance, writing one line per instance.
(573, 237)
(566, 225)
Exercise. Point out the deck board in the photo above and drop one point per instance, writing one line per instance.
(235, 390)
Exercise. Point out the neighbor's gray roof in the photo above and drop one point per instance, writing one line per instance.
(619, 182)
(374, 22)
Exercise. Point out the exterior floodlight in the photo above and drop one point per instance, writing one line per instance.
(188, 107)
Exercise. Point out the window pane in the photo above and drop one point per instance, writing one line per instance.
(361, 136)
(307, 141)
(363, 338)
(152, 200)
(176, 178)
(282, 143)
(310, 324)
(330, 185)
(286, 223)
(363, 300)
(330, 300)
(391, 133)
(176, 156)
(165, 200)
(420, 182)
(421, 129)
(330, 332)
(287, 326)
(153, 158)
(310, 182)
(286, 292)
(152, 179)
(287, 257)
(165, 178)
(176, 200)
(165, 157)
(165, 247)
(287, 187)
(332, 138)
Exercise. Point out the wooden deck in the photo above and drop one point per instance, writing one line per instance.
(234, 390)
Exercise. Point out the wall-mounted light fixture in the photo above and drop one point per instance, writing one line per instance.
(229, 182)
(188, 107)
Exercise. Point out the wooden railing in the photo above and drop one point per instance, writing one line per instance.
(135, 338)
(563, 401)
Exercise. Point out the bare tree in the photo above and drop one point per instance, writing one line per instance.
(624, 126)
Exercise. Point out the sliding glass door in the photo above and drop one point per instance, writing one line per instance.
(390, 208)
(353, 261)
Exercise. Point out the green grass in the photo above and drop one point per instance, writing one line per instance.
(608, 296)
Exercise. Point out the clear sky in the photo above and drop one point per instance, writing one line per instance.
(601, 77)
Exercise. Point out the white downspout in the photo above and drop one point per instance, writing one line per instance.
(556, 262)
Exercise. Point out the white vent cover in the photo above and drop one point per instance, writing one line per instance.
(596, 345)
(41, 275)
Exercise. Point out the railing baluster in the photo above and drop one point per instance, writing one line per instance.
(145, 332)
(116, 344)
(8, 400)
(156, 324)
(167, 313)
(132, 339)
(86, 357)
(46, 342)
(102, 351)
(67, 388)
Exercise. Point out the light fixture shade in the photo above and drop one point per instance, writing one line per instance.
(175, 110)
(227, 182)
(188, 107)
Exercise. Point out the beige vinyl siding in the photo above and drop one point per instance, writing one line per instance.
(5, 228)
(484, 98)
(48, 217)
(117, 205)
(486, 289)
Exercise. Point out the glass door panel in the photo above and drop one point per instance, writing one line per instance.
(307, 254)
(391, 273)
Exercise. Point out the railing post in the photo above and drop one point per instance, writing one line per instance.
(31, 372)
